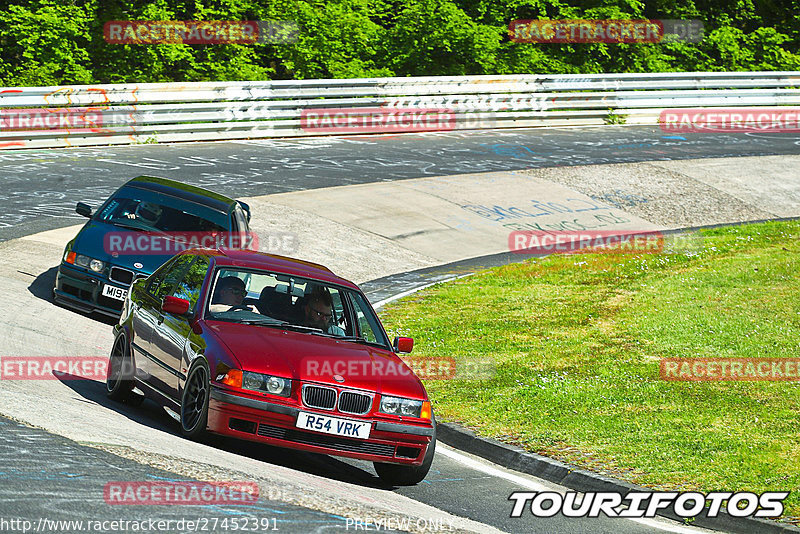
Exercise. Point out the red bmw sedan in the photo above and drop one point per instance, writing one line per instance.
(276, 350)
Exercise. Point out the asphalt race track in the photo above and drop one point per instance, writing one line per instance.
(59, 483)
(61, 476)
(41, 187)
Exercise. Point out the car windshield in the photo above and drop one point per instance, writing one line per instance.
(304, 305)
(154, 213)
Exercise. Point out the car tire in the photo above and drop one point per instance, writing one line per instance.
(408, 475)
(119, 383)
(194, 402)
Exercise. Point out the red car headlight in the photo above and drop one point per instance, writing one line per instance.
(274, 385)
(405, 407)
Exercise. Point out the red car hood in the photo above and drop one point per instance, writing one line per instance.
(313, 358)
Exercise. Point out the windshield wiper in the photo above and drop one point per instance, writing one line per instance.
(264, 322)
(309, 329)
(221, 316)
(355, 339)
(301, 328)
(290, 326)
(128, 226)
(119, 221)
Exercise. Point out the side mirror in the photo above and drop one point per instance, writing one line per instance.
(83, 209)
(138, 277)
(403, 344)
(175, 305)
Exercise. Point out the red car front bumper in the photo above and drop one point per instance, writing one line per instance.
(273, 423)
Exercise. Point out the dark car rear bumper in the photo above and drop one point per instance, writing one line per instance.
(81, 290)
(273, 423)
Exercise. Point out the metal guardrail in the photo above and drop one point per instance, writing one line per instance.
(167, 112)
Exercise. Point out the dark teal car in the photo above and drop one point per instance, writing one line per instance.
(143, 224)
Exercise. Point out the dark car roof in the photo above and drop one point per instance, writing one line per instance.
(188, 192)
(280, 264)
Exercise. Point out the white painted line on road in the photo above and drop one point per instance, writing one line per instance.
(535, 486)
(414, 290)
(661, 525)
(493, 471)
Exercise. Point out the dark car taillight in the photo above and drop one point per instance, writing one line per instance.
(319, 397)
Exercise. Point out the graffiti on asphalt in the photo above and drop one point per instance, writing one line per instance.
(533, 208)
(596, 220)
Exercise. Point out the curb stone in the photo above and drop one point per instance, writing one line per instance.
(581, 480)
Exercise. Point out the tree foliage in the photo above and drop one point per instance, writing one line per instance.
(53, 42)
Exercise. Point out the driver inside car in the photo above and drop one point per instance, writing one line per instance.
(147, 212)
(318, 312)
(229, 293)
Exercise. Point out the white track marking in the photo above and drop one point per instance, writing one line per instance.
(535, 486)
(414, 290)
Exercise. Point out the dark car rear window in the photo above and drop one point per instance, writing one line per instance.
(149, 211)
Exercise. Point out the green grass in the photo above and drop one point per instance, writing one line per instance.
(576, 341)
